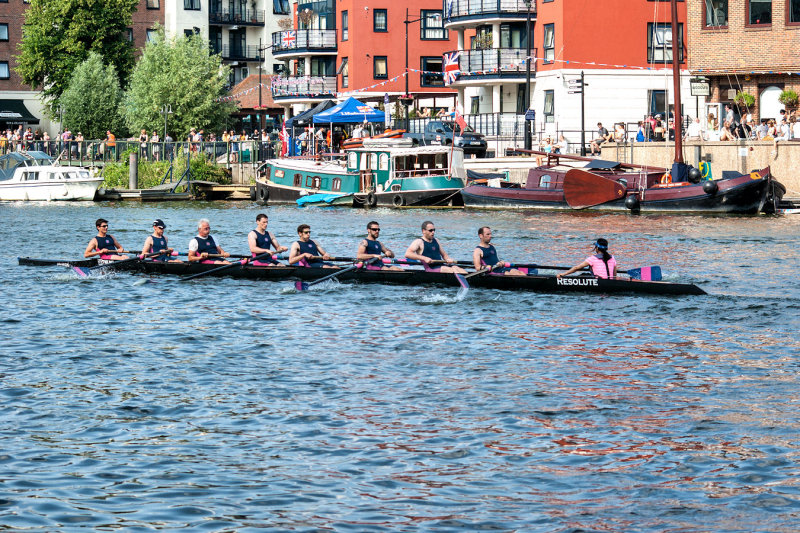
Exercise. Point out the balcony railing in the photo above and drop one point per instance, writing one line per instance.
(303, 40)
(238, 53)
(492, 61)
(492, 124)
(304, 86)
(483, 8)
(244, 17)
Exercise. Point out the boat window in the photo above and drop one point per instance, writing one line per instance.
(384, 163)
(52, 176)
(337, 184)
(314, 182)
(373, 161)
(352, 160)
(298, 180)
(544, 180)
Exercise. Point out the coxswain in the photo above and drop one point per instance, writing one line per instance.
(260, 241)
(428, 249)
(485, 255)
(104, 245)
(602, 263)
(307, 253)
(157, 242)
(202, 246)
(371, 249)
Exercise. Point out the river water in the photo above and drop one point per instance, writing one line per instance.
(224, 405)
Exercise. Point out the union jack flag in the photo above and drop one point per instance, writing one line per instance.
(450, 67)
(289, 39)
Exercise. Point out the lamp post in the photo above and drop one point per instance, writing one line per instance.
(406, 97)
(166, 109)
(528, 139)
(260, 63)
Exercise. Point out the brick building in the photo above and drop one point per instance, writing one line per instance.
(746, 45)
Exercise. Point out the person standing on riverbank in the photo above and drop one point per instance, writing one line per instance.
(103, 244)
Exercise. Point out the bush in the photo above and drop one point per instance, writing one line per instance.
(115, 175)
(745, 99)
(788, 98)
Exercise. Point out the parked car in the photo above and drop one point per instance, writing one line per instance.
(440, 132)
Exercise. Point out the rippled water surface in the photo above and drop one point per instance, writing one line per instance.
(224, 405)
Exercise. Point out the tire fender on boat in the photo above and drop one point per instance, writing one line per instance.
(398, 201)
(372, 200)
(263, 194)
(710, 187)
(632, 202)
(253, 193)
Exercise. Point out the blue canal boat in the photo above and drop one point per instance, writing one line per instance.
(382, 172)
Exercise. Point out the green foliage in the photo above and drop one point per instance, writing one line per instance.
(59, 34)
(92, 100)
(178, 72)
(788, 98)
(745, 99)
(152, 172)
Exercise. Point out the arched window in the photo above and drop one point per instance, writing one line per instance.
(337, 183)
(544, 180)
(298, 180)
(384, 163)
(768, 104)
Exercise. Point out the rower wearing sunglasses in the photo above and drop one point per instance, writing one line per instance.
(103, 245)
(306, 252)
(427, 249)
(373, 249)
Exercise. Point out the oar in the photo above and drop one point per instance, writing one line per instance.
(584, 189)
(303, 286)
(651, 273)
(225, 267)
(462, 279)
(85, 272)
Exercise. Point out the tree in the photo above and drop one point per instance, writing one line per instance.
(59, 34)
(181, 73)
(93, 99)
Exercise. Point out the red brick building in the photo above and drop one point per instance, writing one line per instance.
(746, 45)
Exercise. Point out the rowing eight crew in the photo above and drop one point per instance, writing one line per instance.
(306, 252)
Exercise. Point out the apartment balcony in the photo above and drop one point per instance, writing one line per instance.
(493, 64)
(295, 89)
(237, 53)
(470, 13)
(244, 17)
(297, 43)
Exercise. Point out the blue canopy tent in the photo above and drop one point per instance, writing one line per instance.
(351, 111)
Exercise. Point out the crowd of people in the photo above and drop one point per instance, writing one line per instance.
(426, 250)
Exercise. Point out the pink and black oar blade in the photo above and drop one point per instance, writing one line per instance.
(651, 273)
(82, 271)
(301, 286)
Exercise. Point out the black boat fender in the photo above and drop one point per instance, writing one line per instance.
(694, 175)
(253, 193)
(632, 202)
(398, 201)
(263, 194)
(372, 200)
(710, 187)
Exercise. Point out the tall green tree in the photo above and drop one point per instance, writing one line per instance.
(92, 102)
(181, 73)
(59, 34)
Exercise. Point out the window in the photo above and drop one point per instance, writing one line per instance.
(549, 113)
(344, 70)
(193, 5)
(3, 32)
(379, 68)
(759, 12)
(379, 20)
(277, 68)
(512, 36)
(432, 26)
(431, 75)
(129, 34)
(793, 11)
(344, 25)
(4, 73)
(280, 7)
(716, 13)
(153, 4)
(188, 33)
(657, 102)
(474, 105)
(151, 35)
(549, 43)
(659, 42)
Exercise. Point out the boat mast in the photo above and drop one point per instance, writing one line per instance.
(677, 48)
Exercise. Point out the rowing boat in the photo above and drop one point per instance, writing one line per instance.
(413, 277)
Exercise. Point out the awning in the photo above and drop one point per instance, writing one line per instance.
(15, 112)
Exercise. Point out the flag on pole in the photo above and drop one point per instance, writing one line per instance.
(289, 39)
(450, 67)
(462, 124)
(284, 140)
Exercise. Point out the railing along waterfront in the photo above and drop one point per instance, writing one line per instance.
(240, 16)
(467, 8)
(300, 86)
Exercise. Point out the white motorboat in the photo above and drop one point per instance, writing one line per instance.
(36, 176)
